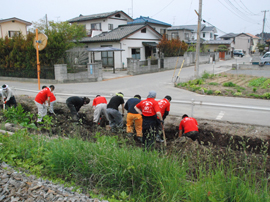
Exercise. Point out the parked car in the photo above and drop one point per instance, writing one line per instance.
(238, 52)
(265, 59)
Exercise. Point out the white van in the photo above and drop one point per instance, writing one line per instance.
(265, 59)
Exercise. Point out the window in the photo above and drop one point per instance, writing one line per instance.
(12, 33)
(96, 26)
(107, 57)
(162, 31)
(135, 52)
(203, 34)
(143, 30)
(187, 36)
(110, 27)
(211, 35)
(117, 15)
(267, 56)
(175, 35)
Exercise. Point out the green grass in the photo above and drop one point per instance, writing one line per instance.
(214, 83)
(257, 82)
(229, 84)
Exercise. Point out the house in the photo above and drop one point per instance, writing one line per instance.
(241, 41)
(138, 41)
(157, 25)
(212, 45)
(190, 32)
(11, 26)
(255, 40)
(103, 22)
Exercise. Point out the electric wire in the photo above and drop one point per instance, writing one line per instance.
(162, 9)
(189, 11)
(247, 8)
(235, 13)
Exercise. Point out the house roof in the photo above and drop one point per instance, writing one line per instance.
(16, 19)
(142, 20)
(117, 34)
(218, 42)
(96, 16)
(179, 28)
(208, 29)
(253, 36)
(244, 34)
(229, 35)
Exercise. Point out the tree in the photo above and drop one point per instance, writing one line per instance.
(62, 36)
(222, 48)
(173, 47)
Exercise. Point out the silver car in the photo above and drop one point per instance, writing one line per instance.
(265, 59)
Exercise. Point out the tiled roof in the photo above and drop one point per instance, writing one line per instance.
(94, 16)
(187, 27)
(253, 36)
(229, 35)
(16, 19)
(116, 34)
(207, 29)
(218, 42)
(142, 20)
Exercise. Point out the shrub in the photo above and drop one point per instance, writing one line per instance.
(266, 84)
(212, 76)
(184, 84)
(217, 92)
(209, 92)
(254, 90)
(266, 95)
(229, 84)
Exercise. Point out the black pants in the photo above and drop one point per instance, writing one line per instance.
(73, 111)
(149, 129)
(192, 135)
(12, 101)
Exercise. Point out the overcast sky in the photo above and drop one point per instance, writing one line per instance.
(227, 15)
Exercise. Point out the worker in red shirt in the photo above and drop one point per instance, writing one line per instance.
(52, 100)
(164, 106)
(41, 98)
(100, 106)
(190, 127)
(149, 110)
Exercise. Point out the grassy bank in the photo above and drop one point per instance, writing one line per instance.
(111, 167)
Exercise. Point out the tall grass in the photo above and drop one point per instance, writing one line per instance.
(114, 168)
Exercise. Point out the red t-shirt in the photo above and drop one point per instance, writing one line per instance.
(188, 124)
(99, 100)
(52, 97)
(149, 107)
(164, 105)
(43, 95)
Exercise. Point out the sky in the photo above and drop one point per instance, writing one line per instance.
(227, 16)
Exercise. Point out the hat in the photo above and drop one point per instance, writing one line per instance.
(120, 94)
(5, 86)
(152, 94)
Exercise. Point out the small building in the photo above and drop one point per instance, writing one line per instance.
(138, 41)
(11, 26)
(178, 32)
(255, 41)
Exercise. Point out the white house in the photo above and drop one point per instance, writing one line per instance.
(190, 32)
(11, 26)
(138, 41)
(102, 22)
(255, 41)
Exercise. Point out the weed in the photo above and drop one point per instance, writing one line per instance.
(217, 92)
(209, 92)
(229, 84)
(205, 75)
(257, 82)
(254, 90)
(237, 94)
(214, 83)
(266, 95)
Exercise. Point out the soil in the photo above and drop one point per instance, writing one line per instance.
(241, 81)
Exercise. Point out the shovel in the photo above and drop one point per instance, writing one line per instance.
(4, 106)
(164, 136)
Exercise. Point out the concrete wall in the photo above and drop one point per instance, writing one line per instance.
(93, 73)
(136, 67)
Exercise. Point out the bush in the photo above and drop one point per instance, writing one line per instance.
(229, 84)
(217, 92)
(254, 90)
(209, 92)
(237, 94)
(205, 75)
(266, 95)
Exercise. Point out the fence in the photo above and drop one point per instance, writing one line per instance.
(45, 73)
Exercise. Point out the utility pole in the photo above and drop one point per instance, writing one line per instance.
(46, 19)
(196, 68)
(263, 24)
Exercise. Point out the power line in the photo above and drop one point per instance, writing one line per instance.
(247, 8)
(214, 26)
(162, 9)
(189, 10)
(234, 12)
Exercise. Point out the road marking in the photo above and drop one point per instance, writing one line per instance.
(220, 115)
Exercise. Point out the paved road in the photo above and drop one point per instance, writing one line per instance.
(162, 83)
